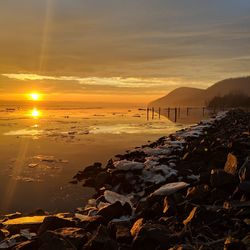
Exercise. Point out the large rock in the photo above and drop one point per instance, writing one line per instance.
(109, 212)
(151, 236)
(221, 179)
(120, 230)
(170, 188)
(89, 171)
(231, 164)
(90, 222)
(101, 240)
(76, 236)
(54, 222)
(27, 245)
(28, 222)
(244, 172)
(52, 240)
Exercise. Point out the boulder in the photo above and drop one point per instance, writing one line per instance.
(120, 230)
(112, 211)
(231, 164)
(52, 240)
(54, 222)
(89, 222)
(101, 240)
(170, 188)
(151, 236)
(76, 236)
(137, 227)
(221, 179)
(27, 245)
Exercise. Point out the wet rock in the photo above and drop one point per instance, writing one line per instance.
(218, 196)
(245, 186)
(52, 240)
(231, 164)
(109, 212)
(12, 241)
(170, 188)
(182, 247)
(30, 222)
(39, 212)
(101, 240)
(76, 236)
(27, 245)
(137, 227)
(125, 165)
(120, 231)
(3, 234)
(234, 244)
(190, 216)
(198, 193)
(89, 171)
(151, 236)
(13, 216)
(246, 241)
(89, 222)
(169, 207)
(53, 223)
(221, 179)
(101, 179)
(244, 172)
(113, 197)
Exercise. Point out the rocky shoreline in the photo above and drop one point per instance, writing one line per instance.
(189, 190)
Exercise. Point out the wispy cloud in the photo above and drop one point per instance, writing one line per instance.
(129, 82)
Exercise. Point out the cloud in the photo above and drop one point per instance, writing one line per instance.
(122, 46)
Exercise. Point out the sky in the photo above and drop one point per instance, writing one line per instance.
(120, 50)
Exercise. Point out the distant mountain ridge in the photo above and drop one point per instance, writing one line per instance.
(186, 96)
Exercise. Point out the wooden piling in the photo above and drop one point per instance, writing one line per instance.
(147, 114)
(175, 115)
(159, 113)
(153, 113)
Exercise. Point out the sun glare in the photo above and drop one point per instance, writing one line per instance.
(35, 96)
(35, 113)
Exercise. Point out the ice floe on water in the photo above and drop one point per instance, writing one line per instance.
(25, 132)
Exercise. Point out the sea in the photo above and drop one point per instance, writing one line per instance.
(43, 147)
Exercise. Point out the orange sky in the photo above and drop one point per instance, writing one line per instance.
(119, 51)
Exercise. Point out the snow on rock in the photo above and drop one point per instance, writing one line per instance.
(126, 165)
(166, 170)
(157, 151)
(151, 162)
(113, 197)
(170, 188)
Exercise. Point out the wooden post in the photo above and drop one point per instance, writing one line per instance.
(168, 112)
(153, 113)
(203, 111)
(159, 113)
(147, 114)
(175, 115)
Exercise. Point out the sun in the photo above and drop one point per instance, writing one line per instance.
(35, 96)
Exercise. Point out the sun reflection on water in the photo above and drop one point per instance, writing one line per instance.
(35, 113)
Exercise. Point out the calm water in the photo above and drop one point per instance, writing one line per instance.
(41, 149)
